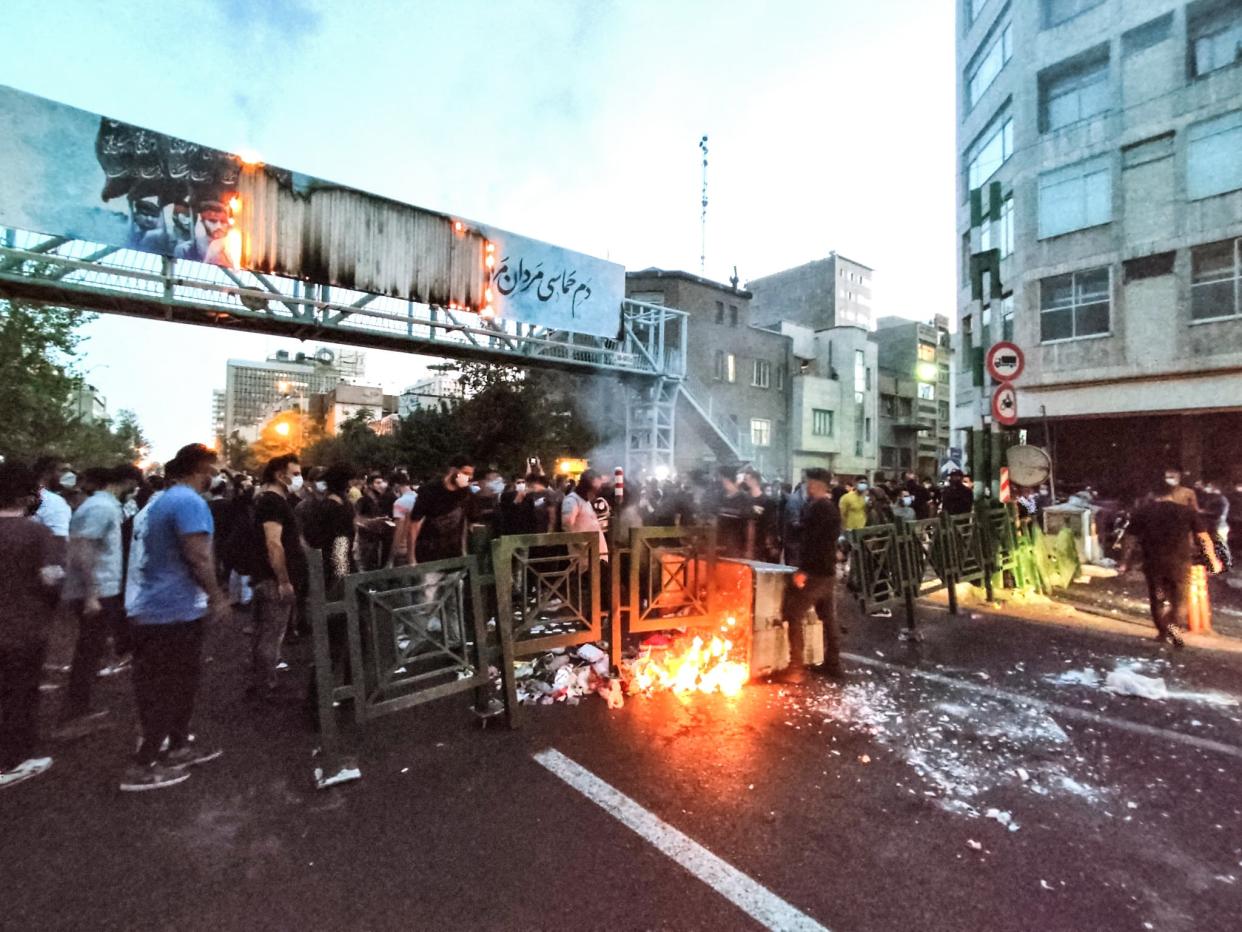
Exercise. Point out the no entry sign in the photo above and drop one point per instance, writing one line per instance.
(1005, 361)
(1005, 404)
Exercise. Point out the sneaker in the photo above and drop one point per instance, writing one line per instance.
(190, 755)
(882, 613)
(140, 777)
(31, 767)
(280, 667)
(1175, 637)
(81, 726)
(120, 666)
(49, 687)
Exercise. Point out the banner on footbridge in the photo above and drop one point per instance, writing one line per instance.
(74, 174)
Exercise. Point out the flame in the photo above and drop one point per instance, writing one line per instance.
(235, 204)
(693, 665)
(233, 247)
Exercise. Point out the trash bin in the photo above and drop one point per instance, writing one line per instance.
(755, 592)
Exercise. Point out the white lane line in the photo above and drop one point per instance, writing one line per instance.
(754, 899)
(1082, 715)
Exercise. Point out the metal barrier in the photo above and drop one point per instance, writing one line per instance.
(548, 589)
(662, 577)
(909, 559)
(397, 638)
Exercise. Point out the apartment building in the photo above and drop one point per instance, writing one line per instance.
(831, 292)
(913, 359)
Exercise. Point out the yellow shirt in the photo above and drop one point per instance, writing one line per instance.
(853, 507)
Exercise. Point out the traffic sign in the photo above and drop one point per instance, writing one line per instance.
(1005, 404)
(1005, 361)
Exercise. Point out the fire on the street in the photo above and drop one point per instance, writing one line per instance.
(690, 663)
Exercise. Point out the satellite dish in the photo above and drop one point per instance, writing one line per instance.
(1028, 465)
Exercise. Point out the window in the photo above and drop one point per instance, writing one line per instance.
(1216, 40)
(732, 315)
(905, 407)
(1145, 36)
(1147, 150)
(905, 458)
(984, 70)
(888, 457)
(867, 429)
(942, 373)
(719, 371)
(761, 374)
(927, 391)
(974, 8)
(1006, 227)
(942, 411)
(888, 405)
(780, 378)
(1074, 305)
(989, 152)
(726, 367)
(1058, 11)
(1216, 270)
(927, 352)
(720, 312)
(648, 297)
(860, 371)
(821, 422)
(1007, 317)
(967, 332)
(868, 379)
(1214, 156)
(1073, 94)
(1075, 197)
(760, 432)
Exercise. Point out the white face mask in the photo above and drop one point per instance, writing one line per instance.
(496, 486)
(321, 487)
(907, 499)
(462, 480)
(68, 480)
(295, 484)
(1171, 480)
(519, 487)
(861, 487)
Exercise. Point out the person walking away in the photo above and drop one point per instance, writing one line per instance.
(853, 506)
(29, 585)
(812, 584)
(280, 571)
(1166, 533)
(957, 498)
(177, 596)
(92, 591)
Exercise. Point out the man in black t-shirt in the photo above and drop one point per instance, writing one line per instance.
(1166, 533)
(732, 515)
(438, 518)
(280, 571)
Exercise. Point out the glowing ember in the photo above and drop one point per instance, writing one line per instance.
(690, 664)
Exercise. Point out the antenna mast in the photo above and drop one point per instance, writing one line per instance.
(703, 216)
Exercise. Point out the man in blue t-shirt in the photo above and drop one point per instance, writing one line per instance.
(177, 592)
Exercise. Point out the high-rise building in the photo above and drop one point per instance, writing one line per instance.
(1100, 219)
(255, 390)
(87, 403)
(913, 359)
(217, 414)
(831, 292)
(429, 392)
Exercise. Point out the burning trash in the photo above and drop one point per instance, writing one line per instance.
(689, 663)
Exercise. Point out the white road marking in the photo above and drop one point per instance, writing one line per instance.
(754, 899)
(1082, 715)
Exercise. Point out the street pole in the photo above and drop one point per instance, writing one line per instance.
(1052, 460)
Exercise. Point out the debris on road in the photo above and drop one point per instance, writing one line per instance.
(1128, 683)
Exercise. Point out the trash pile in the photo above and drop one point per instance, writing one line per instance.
(566, 675)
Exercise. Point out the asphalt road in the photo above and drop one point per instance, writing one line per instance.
(862, 806)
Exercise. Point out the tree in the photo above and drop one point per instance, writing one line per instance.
(38, 352)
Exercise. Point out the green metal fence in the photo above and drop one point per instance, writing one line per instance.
(548, 589)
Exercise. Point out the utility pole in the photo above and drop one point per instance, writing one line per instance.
(703, 216)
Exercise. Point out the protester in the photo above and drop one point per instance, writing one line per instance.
(328, 526)
(1166, 533)
(177, 593)
(813, 582)
(93, 593)
(920, 495)
(906, 507)
(763, 533)
(374, 523)
(31, 557)
(438, 520)
(879, 508)
(402, 505)
(957, 498)
(578, 514)
(734, 524)
(1180, 494)
(853, 506)
(515, 514)
(545, 503)
(53, 511)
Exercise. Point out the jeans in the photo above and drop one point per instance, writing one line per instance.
(21, 665)
(271, 621)
(1167, 587)
(93, 632)
(167, 665)
(817, 594)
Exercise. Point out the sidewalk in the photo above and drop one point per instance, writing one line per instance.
(1125, 597)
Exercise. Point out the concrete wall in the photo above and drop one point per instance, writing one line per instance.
(825, 293)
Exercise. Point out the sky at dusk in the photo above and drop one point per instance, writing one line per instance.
(831, 126)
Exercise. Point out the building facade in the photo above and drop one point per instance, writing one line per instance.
(255, 390)
(733, 407)
(914, 412)
(87, 403)
(831, 292)
(429, 392)
(1100, 219)
(217, 416)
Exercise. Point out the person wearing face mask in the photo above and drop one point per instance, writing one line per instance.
(69, 485)
(53, 511)
(279, 573)
(1179, 494)
(93, 591)
(734, 524)
(437, 528)
(485, 506)
(853, 506)
(517, 514)
(177, 595)
(905, 508)
(402, 504)
(957, 498)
